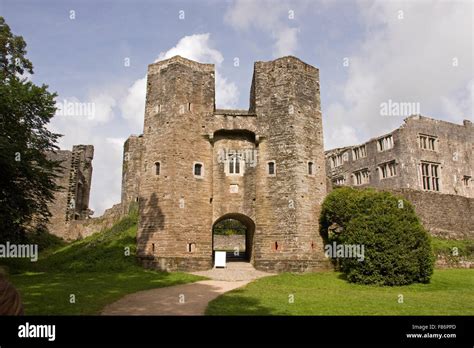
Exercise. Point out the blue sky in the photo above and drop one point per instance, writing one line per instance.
(368, 52)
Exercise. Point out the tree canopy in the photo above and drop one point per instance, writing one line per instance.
(27, 180)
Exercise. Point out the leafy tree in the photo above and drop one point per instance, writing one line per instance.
(396, 246)
(27, 180)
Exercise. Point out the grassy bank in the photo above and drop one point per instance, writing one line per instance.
(84, 276)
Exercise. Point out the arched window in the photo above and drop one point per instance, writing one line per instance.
(157, 168)
(310, 168)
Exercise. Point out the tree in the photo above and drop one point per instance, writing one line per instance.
(27, 180)
(396, 246)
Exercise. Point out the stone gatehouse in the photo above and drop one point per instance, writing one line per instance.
(195, 166)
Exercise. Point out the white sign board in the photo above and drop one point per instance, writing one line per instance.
(219, 258)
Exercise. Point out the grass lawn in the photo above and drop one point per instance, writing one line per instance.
(451, 292)
(49, 293)
(97, 270)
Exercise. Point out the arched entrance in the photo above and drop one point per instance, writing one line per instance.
(234, 234)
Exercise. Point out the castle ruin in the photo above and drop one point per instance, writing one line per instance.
(196, 165)
(71, 202)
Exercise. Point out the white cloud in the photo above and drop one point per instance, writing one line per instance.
(286, 42)
(197, 47)
(133, 105)
(406, 60)
(274, 18)
(104, 105)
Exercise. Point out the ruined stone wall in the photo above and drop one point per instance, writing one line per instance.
(58, 208)
(443, 215)
(131, 171)
(453, 153)
(71, 202)
(79, 229)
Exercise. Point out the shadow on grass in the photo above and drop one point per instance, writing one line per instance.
(234, 304)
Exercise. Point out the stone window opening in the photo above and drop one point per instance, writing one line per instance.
(361, 177)
(338, 160)
(157, 168)
(427, 142)
(198, 170)
(465, 180)
(271, 168)
(310, 168)
(385, 143)
(359, 152)
(430, 176)
(153, 248)
(339, 181)
(387, 170)
(275, 246)
(234, 164)
(191, 247)
(189, 107)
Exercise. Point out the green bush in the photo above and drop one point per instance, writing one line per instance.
(397, 249)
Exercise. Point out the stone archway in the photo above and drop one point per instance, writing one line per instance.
(233, 246)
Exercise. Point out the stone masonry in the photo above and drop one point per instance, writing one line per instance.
(423, 154)
(427, 161)
(196, 165)
(71, 202)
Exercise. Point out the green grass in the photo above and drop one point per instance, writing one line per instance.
(96, 270)
(450, 292)
(464, 247)
(49, 293)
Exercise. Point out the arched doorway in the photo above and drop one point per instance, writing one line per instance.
(233, 233)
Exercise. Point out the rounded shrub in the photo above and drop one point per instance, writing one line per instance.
(396, 247)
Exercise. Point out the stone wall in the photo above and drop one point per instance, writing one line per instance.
(71, 202)
(182, 128)
(131, 171)
(79, 229)
(453, 154)
(445, 216)
(228, 243)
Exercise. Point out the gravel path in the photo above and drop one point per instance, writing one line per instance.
(186, 299)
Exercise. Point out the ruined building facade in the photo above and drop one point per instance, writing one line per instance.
(423, 154)
(71, 202)
(429, 162)
(196, 165)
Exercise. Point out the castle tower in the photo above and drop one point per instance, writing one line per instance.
(199, 166)
(175, 184)
(291, 173)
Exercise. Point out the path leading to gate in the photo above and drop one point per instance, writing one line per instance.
(186, 299)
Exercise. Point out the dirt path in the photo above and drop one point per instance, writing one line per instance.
(186, 299)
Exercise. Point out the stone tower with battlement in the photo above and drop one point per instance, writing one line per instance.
(196, 165)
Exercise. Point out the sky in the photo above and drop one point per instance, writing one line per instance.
(370, 53)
